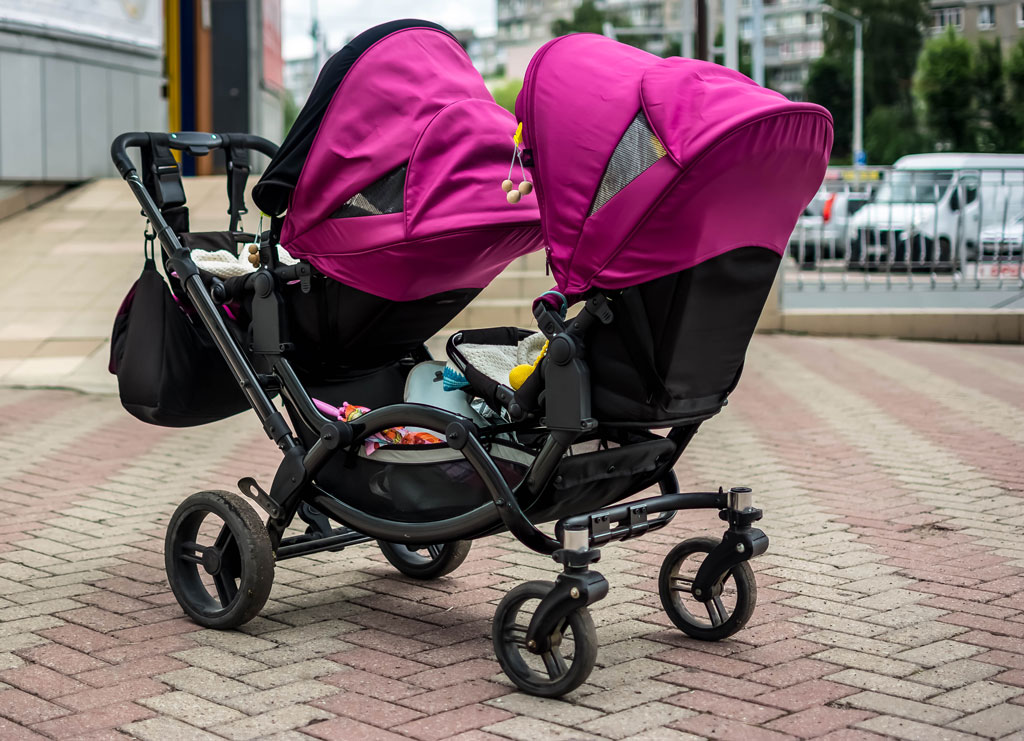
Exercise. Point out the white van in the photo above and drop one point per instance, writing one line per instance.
(932, 208)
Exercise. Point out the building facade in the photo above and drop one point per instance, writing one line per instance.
(524, 26)
(987, 20)
(74, 74)
(793, 39)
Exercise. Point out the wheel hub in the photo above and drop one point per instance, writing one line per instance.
(212, 561)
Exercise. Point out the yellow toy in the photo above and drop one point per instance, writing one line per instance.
(518, 375)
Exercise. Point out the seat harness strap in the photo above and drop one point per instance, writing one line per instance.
(160, 174)
(238, 175)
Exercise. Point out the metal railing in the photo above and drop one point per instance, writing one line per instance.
(882, 229)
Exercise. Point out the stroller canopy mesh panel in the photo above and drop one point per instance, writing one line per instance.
(647, 166)
(400, 193)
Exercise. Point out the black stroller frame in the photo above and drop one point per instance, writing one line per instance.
(247, 547)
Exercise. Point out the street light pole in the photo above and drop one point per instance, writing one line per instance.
(859, 158)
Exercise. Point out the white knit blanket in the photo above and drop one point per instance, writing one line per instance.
(225, 265)
(497, 361)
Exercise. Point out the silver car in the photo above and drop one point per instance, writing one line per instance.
(823, 230)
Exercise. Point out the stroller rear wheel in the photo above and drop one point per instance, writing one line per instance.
(705, 619)
(219, 560)
(426, 561)
(573, 646)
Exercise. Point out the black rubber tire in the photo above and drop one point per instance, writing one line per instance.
(437, 561)
(510, 652)
(744, 591)
(242, 562)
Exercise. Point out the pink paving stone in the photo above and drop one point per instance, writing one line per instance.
(378, 662)
(445, 655)
(41, 681)
(97, 619)
(128, 587)
(373, 685)
(144, 667)
(80, 638)
(1014, 677)
(815, 722)
(851, 734)
(444, 725)
(773, 654)
(99, 719)
(22, 707)
(1002, 658)
(14, 732)
(113, 602)
(108, 734)
(793, 672)
(130, 651)
(387, 642)
(162, 629)
(701, 660)
(339, 729)
(135, 689)
(806, 694)
(726, 707)
(66, 660)
(354, 705)
(456, 696)
(454, 674)
(726, 729)
(774, 631)
(718, 683)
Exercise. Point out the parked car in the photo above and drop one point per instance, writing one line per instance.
(932, 208)
(1003, 241)
(823, 230)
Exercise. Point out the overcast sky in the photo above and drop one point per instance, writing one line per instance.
(343, 19)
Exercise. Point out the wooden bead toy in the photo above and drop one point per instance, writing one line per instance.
(507, 186)
(513, 196)
(526, 187)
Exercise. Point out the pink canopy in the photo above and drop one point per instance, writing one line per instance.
(414, 99)
(647, 166)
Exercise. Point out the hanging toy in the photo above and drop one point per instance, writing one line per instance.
(514, 193)
(518, 375)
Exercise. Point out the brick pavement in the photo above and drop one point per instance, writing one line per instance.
(891, 601)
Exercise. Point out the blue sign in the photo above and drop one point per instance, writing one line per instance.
(860, 157)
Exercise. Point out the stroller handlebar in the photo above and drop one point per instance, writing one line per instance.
(195, 143)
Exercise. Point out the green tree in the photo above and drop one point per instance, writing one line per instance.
(506, 95)
(945, 85)
(996, 131)
(891, 132)
(289, 111)
(830, 84)
(892, 42)
(1015, 90)
(586, 18)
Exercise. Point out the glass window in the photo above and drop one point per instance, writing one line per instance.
(925, 186)
(1020, 15)
(986, 16)
(943, 17)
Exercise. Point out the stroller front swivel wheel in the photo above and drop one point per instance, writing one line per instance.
(708, 619)
(573, 645)
(426, 561)
(219, 560)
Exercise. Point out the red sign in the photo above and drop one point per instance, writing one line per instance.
(273, 65)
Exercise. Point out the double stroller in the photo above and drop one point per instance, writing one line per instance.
(663, 191)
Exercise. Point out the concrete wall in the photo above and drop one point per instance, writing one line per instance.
(63, 99)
